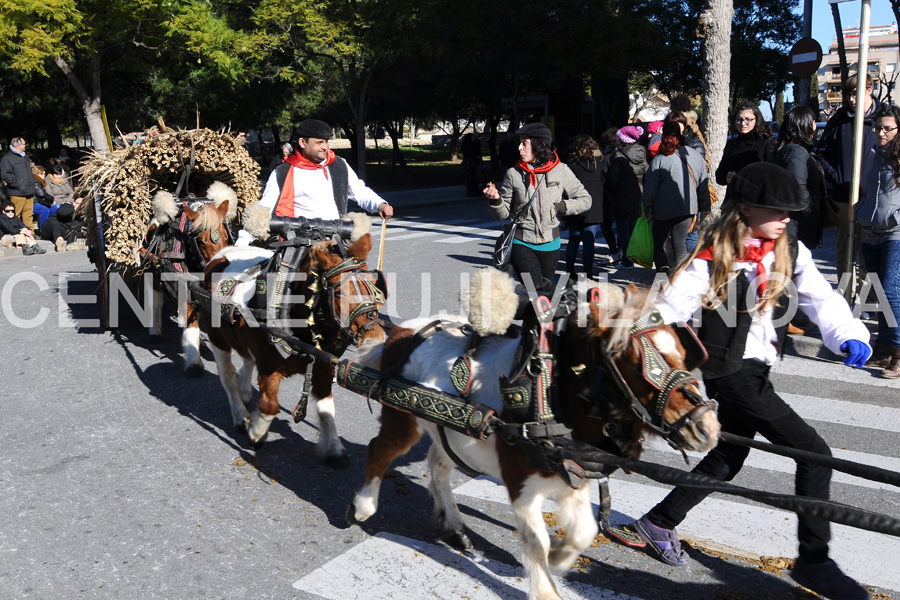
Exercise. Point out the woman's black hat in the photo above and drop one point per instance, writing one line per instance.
(767, 185)
(535, 130)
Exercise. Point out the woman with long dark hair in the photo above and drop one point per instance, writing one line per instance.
(586, 162)
(795, 153)
(536, 190)
(676, 189)
(752, 142)
(879, 216)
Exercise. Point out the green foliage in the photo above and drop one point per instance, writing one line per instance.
(31, 31)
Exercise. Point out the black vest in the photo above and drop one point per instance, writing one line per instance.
(723, 331)
(340, 183)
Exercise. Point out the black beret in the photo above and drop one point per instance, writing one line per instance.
(535, 130)
(65, 211)
(314, 128)
(767, 185)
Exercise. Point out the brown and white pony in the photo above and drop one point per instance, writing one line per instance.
(186, 234)
(340, 308)
(596, 413)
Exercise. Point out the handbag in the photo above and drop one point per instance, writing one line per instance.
(503, 245)
(830, 212)
(640, 246)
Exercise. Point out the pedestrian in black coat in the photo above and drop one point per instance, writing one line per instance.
(752, 142)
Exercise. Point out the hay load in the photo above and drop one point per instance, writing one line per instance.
(127, 180)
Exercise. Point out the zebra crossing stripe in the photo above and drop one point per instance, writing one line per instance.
(393, 567)
(747, 528)
(842, 412)
(458, 230)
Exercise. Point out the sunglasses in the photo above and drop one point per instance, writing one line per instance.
(878, 129)
(740, 120)
(10, 211)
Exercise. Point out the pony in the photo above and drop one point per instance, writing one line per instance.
(183, 236)
(340, 309)
(602, 339)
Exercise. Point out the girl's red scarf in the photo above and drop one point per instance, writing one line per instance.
(532, 173)
(285, 206)
(752, 253)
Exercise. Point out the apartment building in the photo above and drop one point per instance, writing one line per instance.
(883, 59)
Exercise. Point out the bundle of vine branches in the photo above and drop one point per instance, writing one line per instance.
(126, 180)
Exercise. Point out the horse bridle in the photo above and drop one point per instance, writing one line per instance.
(656, 371)
(368, 285)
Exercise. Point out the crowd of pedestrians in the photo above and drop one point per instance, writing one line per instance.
(783, 190)
(43, 201)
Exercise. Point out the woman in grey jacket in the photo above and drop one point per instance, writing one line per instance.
(879, 216)
(676, 189)
(555, 189)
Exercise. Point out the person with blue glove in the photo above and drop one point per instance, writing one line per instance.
(742, 274)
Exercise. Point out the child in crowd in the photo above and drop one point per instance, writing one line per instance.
(743, 333)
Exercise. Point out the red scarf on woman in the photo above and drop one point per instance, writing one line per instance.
(547, 166)
(286, 205)
(752, 254)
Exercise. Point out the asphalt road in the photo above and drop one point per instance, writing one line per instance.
(121, 478)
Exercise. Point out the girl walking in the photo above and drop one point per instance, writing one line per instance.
(743, 332)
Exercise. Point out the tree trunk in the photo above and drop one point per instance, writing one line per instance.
(90, 101)
(455, 134)
(715, 31)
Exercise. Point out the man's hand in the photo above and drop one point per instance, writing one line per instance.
(26, 232)
(385, 210)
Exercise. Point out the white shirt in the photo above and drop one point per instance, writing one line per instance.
(314, 196)
(829, 311)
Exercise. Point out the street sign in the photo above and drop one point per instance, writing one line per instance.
(805, 57)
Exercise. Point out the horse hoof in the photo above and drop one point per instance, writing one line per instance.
(457, 540)
(351, 516)
(341, 461)
(240, 427)
(258, 443)
(195, 371)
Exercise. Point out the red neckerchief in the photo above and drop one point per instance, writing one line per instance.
(752, 254)
(547, 166)
(285, 206)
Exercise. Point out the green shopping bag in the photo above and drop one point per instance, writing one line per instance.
(640, 247)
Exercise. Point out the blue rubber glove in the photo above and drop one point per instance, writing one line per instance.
(857, 353)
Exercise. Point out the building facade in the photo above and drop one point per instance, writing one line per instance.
(883, 60)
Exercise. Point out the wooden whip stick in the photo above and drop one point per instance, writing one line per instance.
(381, 245)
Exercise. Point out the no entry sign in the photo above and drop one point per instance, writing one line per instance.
(805, 57)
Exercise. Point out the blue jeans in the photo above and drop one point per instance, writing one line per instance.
(690, 242)
(624, 227)
(884, 259)
(578, 235)
(43, 212)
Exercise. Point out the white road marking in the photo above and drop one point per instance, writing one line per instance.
(392, 567)
(843, 412)
(781, 464)
(750, 528)
(440, 229)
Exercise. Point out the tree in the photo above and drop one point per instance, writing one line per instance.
(356, 39)
(715, 31)
(80, 38)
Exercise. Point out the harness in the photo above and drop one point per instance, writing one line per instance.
(530, 391)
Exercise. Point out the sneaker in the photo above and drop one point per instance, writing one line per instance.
(60, 244)
(827, 579)
(35, 249)
(27, 250)
(611, 259)
(664, 542)
(76, 245)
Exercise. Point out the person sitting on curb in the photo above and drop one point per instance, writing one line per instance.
(749, 247)
(14, 231)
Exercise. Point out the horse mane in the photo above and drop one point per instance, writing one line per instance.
(612, 317)
(208, 218)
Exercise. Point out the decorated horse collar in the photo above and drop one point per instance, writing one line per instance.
(350, 264)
